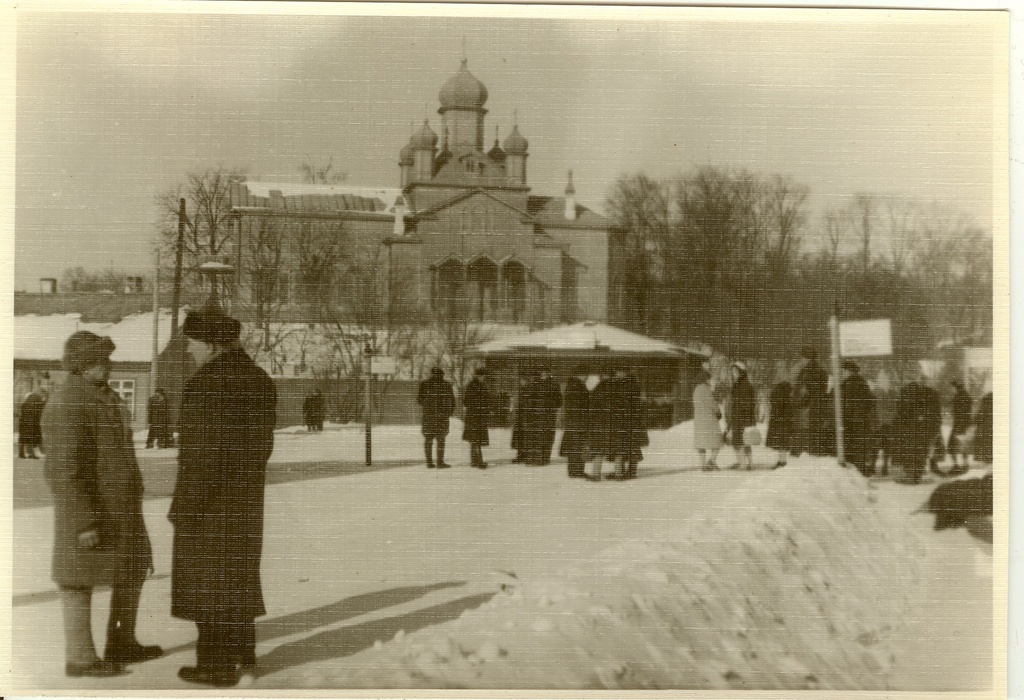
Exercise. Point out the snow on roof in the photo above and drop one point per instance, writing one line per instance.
(581, 337)
(387, 195)
(42, 337)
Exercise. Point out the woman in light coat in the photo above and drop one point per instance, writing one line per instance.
(707, 435)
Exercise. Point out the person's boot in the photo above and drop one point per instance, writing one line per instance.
(441, 464)
(122, 646)
(430, 455)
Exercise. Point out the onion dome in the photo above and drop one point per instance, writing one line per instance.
(496, 154)
(462, 91)
(405, 156)
(424, 139)
(515, 144)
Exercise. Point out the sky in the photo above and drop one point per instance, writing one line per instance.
(113, 108)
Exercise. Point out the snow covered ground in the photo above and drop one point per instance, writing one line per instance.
(518, 577)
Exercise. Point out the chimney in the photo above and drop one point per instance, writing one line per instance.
(570, 200)
(47, 285)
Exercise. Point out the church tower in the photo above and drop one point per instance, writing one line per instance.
(462, 111)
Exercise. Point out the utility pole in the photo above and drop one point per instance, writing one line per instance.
(156, 324)
(178, 252)
(837, 383)
(368, 361)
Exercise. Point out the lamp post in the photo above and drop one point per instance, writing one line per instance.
(214, 268)
(368, 361)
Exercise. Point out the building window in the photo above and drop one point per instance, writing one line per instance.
(483, 288)
(125, 388)
(513, 283)
(450, 289)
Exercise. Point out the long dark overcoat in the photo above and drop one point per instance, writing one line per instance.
(227, 435)
(983, 430)
(437, 400)
(550, 402)
(858, 419)
(477, 403)
(911, 430)
(96, 484)
(575, 418)
(742, 409)
(781, 423)
(29, 430)
(601, 400)
(628, 419)
(812, 393)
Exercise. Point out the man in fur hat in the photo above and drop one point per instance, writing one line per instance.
(226, 437)
(99, 534)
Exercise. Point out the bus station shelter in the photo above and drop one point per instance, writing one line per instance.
(666, 371)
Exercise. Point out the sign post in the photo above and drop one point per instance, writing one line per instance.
(837, 389)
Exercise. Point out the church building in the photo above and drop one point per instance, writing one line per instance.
(462, 230)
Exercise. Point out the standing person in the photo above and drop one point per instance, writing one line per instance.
(933, 425)
(742, 414)
(307, 412)
(630, 424)
(781, 423)
(983, 430)
(858, 419)
(911, 432)
(99, 534)
(30, 434)
(812, 398)
(550, 399)
(438, 403)
(707, 434)
(532, 427)
(317, 410)
(961, 423)
(518, 418)
(478, 410)
(575, 422)
(227, 434)
(600, 424)
(156, 415)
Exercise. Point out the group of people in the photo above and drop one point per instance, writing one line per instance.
(313, 411)
(607, 423)
(30, 434)
(226, 436)
(801, 419)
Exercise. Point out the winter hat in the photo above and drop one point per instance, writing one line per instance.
(211, 327)
(437, 372)
(84, 350)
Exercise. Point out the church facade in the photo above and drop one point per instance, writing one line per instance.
(462, 233)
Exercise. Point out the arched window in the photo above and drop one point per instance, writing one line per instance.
(449, 289)
(513, 283)
(482, 275)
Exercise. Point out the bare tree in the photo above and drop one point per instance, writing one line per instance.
(784, 202)
(862, 217)
(314, 173)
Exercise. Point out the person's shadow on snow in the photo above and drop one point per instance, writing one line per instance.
(345, 641)
(344, 609)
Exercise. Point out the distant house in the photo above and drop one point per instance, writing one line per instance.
(39, 344)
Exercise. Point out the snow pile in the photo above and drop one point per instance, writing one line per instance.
(796, 588)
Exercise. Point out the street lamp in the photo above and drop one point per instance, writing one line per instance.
(215, 268)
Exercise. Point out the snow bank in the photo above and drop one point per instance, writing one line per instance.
(797, 588)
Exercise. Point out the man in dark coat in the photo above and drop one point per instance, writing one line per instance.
(518, 419)
(781, 427)
(983, 430)
(156, 413)
(575, 422)
(812, 398)
(29, 431)
(742, 414)
(961, 424)
(532, 411)
(600, 423)
(912, 432)
(307, 412)
(437, 400)
(550, 398)
(99, 534)
(933, 406)
(316, 411)
(858, 419)
(628, 424)
(227, 434)
(477, 405)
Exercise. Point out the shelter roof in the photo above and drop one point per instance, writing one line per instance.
(42, 337)
(586, 337)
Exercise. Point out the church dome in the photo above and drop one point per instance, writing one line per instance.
(496, 154)
(424, 139)
(515, 144)
(405, 156)
(463, 91)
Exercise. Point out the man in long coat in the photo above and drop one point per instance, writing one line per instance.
(812, 397)
(600, 423)
(575, 422)
(29, 430)
(911, 431)
(437, 400)
(156, 413)
(742, 413)
(477, 405)
(227, 434)
(628, 424)
(518, 419)
(550, 396)
(781, 422)
(99, 534)
(858, 419)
